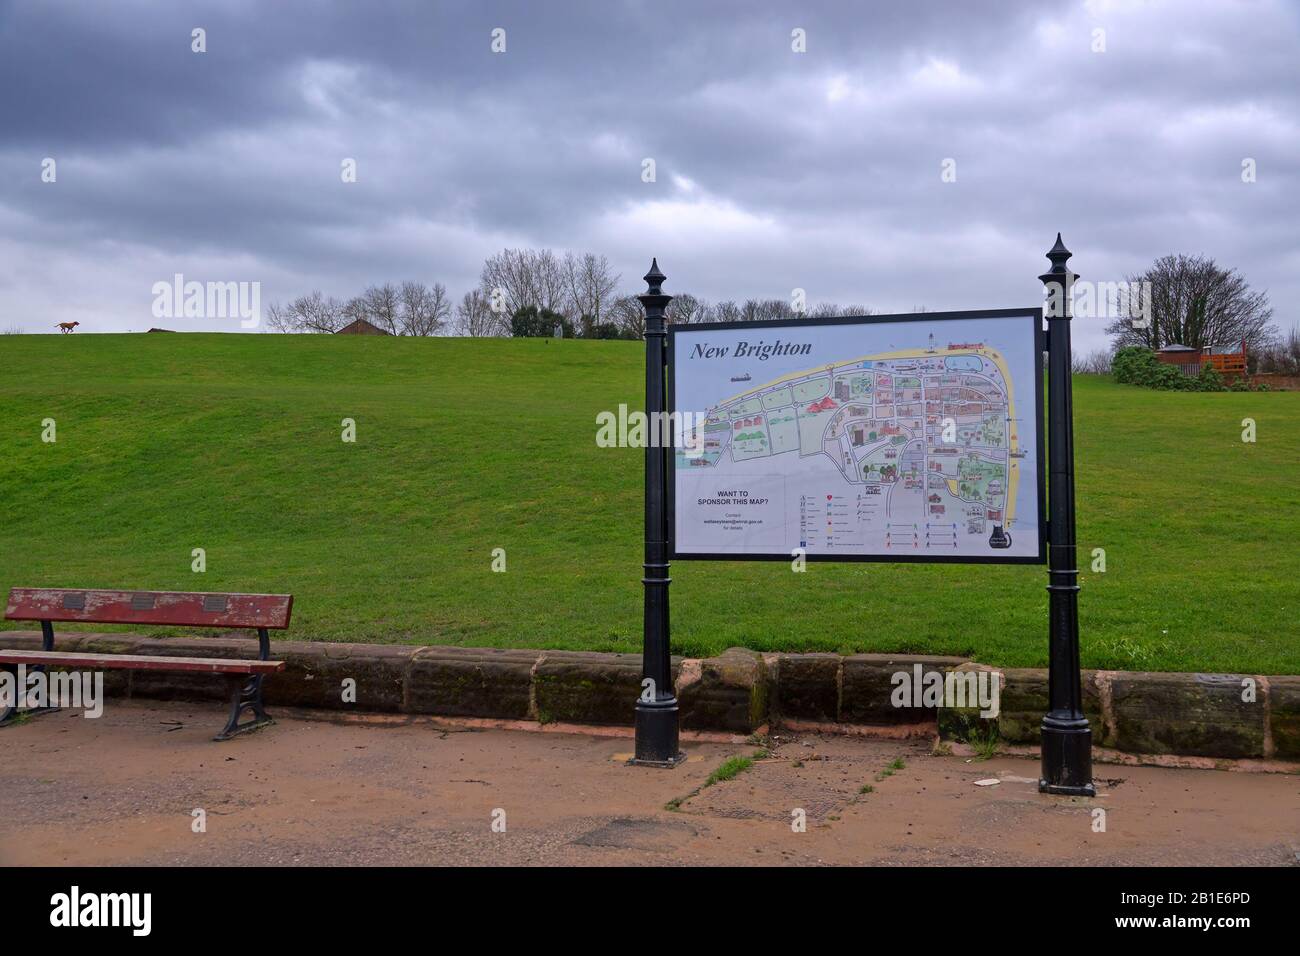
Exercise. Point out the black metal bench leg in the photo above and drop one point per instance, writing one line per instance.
(245, 694)
(10, 709)
(12, 712)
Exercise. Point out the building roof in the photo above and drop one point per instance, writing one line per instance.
(1175, 347)
(358, 324)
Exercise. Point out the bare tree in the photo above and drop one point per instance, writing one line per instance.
(726, 312)
(313, 312)
(626, 313)
(320, 313)
(1096, 362)
(590, 287)
(382, 304)
(1283, 355)
(474, 316)
(524, 277)
(279, 318)
(422, 310)
(686, 309)
(833, 310)
(354, 309)
(1197, 303)
(758, 310)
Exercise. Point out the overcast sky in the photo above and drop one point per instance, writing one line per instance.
(775, 169)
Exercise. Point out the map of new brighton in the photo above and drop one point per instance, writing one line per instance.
(915, 451)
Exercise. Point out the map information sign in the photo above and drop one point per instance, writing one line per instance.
(883, 438)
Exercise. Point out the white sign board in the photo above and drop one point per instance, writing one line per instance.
(884, 438)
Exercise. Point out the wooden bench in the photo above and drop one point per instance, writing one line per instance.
(177, 608)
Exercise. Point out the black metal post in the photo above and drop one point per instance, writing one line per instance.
(1066, 736)
(656, 708)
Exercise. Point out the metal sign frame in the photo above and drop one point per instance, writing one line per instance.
(1066, 751)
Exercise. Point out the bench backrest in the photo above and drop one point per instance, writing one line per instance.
(187, 608)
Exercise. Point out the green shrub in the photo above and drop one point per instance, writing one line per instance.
(530, 322)
(1209, 380)
(1171, 378)
(1135, 365)
(608, 330)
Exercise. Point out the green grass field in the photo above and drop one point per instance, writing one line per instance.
(232, 443)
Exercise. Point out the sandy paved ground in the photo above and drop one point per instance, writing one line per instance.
(121, 789)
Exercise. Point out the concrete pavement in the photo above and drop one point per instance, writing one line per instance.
(320, 789)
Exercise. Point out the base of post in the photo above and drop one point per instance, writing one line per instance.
(656, 734)
(1088, 790)
(662, 764)
(1067, 758)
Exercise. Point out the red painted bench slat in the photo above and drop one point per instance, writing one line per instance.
(208, 665)
(185, 608)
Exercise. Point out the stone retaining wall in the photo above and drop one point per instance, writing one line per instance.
(1204, 715)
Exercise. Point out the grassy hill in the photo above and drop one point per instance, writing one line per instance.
(232, 443)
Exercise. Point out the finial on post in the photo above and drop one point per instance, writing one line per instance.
(1058, 253)
(654, 278)
(654, 300)
(1059, 281)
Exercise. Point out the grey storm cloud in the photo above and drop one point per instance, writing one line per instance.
(775, 169)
